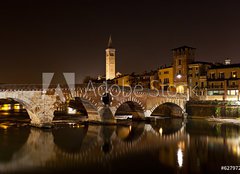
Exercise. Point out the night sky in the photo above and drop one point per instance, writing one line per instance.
(71, 36)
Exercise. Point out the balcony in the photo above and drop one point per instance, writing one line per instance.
(233, 86)
(222, 87)
(215, 87)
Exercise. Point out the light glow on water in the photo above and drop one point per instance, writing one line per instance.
(180, 157)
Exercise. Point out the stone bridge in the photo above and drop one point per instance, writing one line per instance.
(101, 103)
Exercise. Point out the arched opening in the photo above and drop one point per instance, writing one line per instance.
(180, 89)
(131, 132)
(129, 109)
(70, 110)
(77, 109)
(13, 110)
(70, 138)
(168, 110)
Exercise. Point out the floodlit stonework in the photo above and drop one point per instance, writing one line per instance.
(41, 106)
(110, 61)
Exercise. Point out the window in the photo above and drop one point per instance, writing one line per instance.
(179, 62)
(232, 92)
(179, 72)
(233, 83)
(212, 75)
(202, 84)
(166, 72)
(221, 85)
(216, 92)
(221, 75)
(166, 80)
(196, 83)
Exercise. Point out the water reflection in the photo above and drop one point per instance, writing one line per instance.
(69, 139)
(12, 139)
(168, 146)
(131, 132)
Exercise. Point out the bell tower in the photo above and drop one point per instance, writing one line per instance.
(182, 56)
(110, 61)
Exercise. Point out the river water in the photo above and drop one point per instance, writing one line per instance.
(164, 146)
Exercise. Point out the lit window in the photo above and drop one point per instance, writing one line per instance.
(234, 74)
(232, 92)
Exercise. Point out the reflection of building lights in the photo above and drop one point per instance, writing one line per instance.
(160, 131)
(130, 128)
(181, 145)
(71, 111)
(180, 157)
(236, 150)
(3, 126)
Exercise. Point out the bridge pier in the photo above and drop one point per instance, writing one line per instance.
(41, 121)
(147, 113)
(106, 115)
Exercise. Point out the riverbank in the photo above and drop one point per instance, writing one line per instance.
(225, 120)
(221, 109)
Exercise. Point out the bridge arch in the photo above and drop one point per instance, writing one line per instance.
(26, 104)
(91, 107)
(130, 107)
(168, 109)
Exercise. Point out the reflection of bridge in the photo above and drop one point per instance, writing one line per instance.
(89, 144)
(41, 104)
(86, 147)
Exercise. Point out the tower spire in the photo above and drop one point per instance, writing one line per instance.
(110, 42)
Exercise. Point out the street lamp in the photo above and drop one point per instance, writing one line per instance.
(179, 76)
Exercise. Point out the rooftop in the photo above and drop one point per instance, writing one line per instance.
(201, 62)
(183, 47)
(222, 66)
